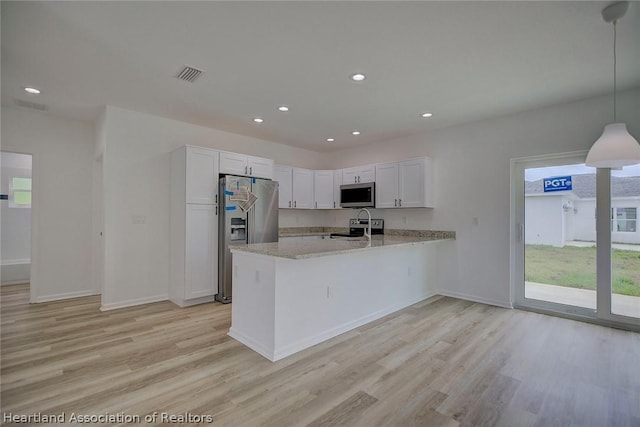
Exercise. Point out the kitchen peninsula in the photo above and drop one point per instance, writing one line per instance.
(291, 295)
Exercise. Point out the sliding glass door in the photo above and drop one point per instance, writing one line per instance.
(564, 259)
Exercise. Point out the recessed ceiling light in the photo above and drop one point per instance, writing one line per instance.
(283, 108)
(330, 139)
(358, 77)
(355, 132)
(32, 90)
(258, 119)
(426, 115)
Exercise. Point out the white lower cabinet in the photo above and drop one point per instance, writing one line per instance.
(201, 252)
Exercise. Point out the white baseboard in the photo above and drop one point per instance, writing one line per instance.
(14, 282)
(67, 295)
(190, 302)
(253, 344)
(15, 271)
(132, 302)
(474, 298)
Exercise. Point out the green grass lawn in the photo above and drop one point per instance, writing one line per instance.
(576, 268)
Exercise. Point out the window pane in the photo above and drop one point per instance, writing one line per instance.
(21, 184)
(22, 197)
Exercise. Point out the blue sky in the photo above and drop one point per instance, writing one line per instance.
(534, 174)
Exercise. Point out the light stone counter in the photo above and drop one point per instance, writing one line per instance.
(301, 249)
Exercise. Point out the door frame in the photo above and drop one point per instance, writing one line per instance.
(602, 314)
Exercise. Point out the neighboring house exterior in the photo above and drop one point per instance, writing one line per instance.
(557, 217)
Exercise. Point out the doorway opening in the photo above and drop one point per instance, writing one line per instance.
(564, 259)
(15, 218)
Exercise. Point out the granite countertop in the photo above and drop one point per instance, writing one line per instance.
(301, 249)
(310, 231)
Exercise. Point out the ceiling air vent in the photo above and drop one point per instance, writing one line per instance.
(189, 74)
(30, 105)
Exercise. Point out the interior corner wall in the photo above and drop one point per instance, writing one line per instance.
(472, 180)
(62, 153)
(136, 182)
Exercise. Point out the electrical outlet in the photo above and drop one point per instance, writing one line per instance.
(139, 219)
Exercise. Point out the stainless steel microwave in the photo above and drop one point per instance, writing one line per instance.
(358, 195)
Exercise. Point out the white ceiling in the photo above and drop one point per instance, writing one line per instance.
(464, 61)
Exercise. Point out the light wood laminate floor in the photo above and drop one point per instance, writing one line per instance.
(442, 362)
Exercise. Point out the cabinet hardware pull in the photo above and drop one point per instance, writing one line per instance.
(289, 203)
(316, 205)
(216, 210)
(400, 202)
(216, 198)
(251, 170)
(395, 202)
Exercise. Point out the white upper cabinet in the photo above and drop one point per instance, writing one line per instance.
(323, 189)
(406, 184)
(232, 163)
(295, 187)
(260, 167)
(240, 164)
(337, 182)
(415, 183)
(359, 174)
(302, 188)
(198, 167)
(387, 185)
(284, 176)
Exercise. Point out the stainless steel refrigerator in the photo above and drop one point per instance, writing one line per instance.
(259, 224)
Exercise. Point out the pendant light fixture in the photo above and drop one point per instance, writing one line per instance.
(616, 147)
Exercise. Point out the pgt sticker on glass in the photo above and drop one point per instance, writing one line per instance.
(558, 183)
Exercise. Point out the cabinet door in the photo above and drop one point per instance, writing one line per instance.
(414, 185)
(201, 251)
(232, 163)
(323, 189)
(260, 168)
(202, 175)
(387, 185)
(350, 176)
(284, 176)
(367, 173)
(302, 188)
(337, 182)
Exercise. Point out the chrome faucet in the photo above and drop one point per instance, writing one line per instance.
(367, 235)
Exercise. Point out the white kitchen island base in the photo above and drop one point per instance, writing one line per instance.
(282, 305)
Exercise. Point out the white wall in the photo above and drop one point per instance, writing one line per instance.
(472, 179)
(136, 182)
(61, 225)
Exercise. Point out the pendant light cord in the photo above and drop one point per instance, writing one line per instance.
(614, 70)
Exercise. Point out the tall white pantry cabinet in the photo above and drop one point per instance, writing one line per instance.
(194, 226)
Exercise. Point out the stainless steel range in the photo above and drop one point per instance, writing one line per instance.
(358, 226)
